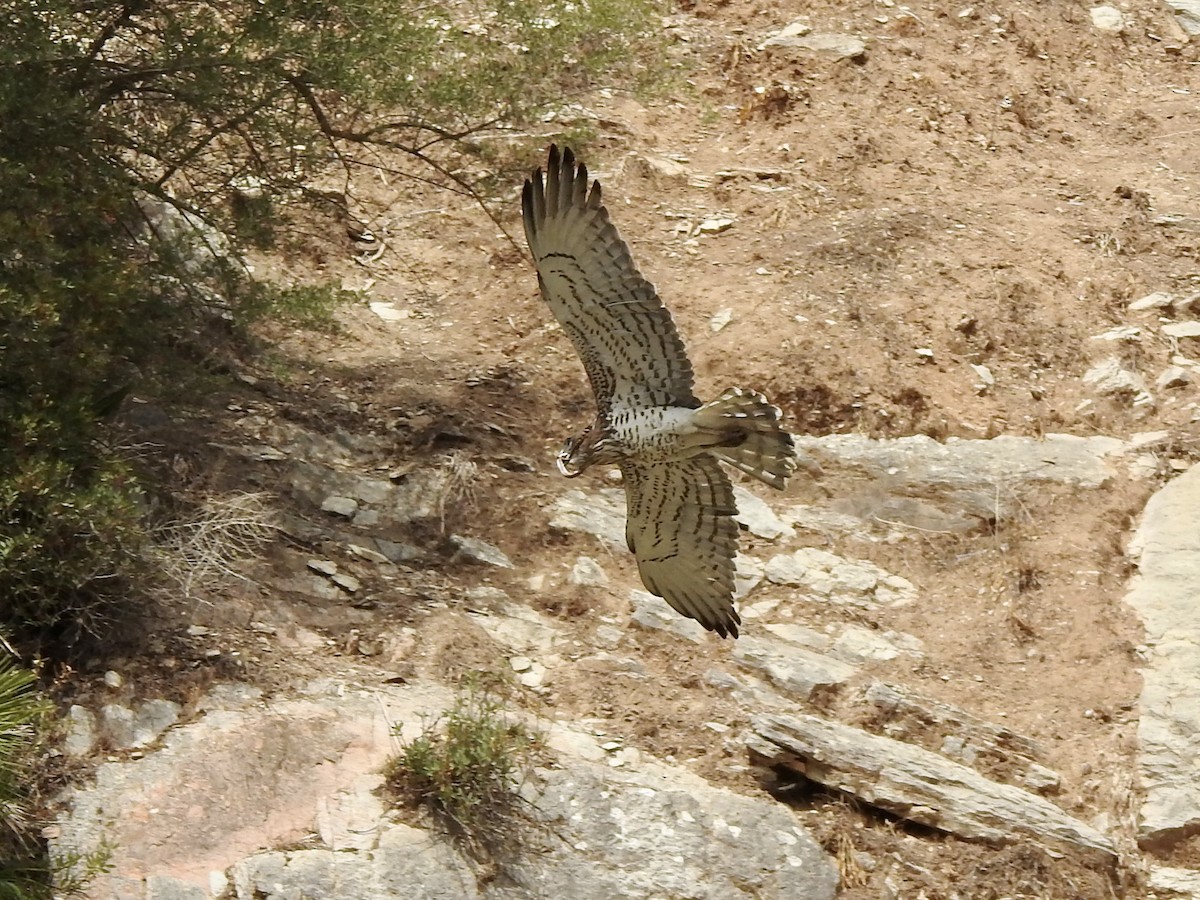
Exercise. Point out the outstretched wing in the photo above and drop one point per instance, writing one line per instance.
(629, 346)
(680, 527)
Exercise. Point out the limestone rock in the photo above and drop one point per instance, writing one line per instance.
(350, 819)
(128, 729)
(905, 715)
(216, 791)
(1172, 377)
(791, 668)
(661, 170)
(1111, 379)
(839, 580)
(323, 566)
(747, 575)
(667, 833)
(81, 731)
(839, 46)
(1188, 328)
(587, 573)
(715, 225)
(480, 551)
(653, 613)
(921, 463)
(1127, 333)
(345, 507)
(1175, 882)
(1107, 18)
(600, 513)
(758, 518)
(417, 495)
(518, 627)
(919, 785)
(859, 644)
(1166, 548)
(1187, 14)
(195, 243)
(408, 862)
(387, 311)
(1157, 300)
(164, 887)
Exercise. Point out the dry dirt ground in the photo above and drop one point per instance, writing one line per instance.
(989, 183)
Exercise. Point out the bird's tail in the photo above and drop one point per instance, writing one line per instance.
(750, 436)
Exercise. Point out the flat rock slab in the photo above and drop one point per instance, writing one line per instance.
(190, 821)
(408, 863)
(1166, 548)
(792, 669)
(663, 832)
(829, 577)
(1187, 14)
(969, 472)
(920, 460)
(919, 785)
(598, 834)
(248, 774)
(601, 513)
(901, 712)
(840, 46)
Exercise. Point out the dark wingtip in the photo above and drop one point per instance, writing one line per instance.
(727, 628)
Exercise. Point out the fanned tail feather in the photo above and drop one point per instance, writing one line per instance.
(750, 436)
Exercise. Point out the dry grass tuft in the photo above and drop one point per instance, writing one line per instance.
(207, 549)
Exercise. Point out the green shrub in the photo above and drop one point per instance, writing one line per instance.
(69, 539)
(128, 129)
(22, 873)
(26, 870)
(466, 768)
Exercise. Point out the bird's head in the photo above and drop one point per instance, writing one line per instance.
(582, 450)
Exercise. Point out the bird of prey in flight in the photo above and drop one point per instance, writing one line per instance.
(667, 444)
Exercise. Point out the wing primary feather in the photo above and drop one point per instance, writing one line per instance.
(625, 337)
(553, 174)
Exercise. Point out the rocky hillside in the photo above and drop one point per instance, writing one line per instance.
(958, 246)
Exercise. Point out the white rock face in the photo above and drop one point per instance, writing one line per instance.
(836, 579)
(1188, 328)
(206, 804)
(1110, 378)
(1107, 18)
(920, 461)
(758, 518)
(1166, 548)
(919, 785)
(1157, 300)
(1187, 14)
(587, 573)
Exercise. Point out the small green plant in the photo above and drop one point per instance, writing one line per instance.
(466, 769)
(23, 872)
(73, 872)
(28, 870)
(310, 306)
